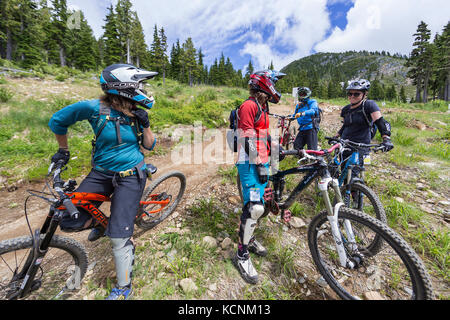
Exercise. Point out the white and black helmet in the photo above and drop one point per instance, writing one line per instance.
(127, 81)
(359, 84)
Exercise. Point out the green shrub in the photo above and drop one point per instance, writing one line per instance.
(5, 95)
(61, 77)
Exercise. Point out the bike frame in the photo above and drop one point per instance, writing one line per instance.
(319, 169)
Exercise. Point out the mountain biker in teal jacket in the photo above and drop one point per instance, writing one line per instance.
(118, 166)
(305, 112)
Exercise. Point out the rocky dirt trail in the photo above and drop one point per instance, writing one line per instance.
(203, 182)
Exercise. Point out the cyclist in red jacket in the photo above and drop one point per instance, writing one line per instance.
(253, 164)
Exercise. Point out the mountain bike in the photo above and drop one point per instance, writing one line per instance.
(356, 194)
(49, 266)
(340, 238)
(287, 137)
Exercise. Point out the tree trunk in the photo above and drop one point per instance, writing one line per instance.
(418, 90)
(8, 44)
(447, 89)
(164, 76)
(62, 57)
(425, 87)
(138, 63)
(128, 52)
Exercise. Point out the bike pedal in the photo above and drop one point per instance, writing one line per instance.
(268, 194)
(286, 215)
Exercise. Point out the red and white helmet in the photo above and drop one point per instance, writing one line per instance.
(262, 81)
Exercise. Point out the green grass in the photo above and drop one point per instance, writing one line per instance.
(24, 125)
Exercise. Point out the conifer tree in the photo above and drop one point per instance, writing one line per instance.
(138, 47)
(419, 60)
(112, 53)
(124, 23)
(59, 30)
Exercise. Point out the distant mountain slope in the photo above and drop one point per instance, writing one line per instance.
(340, 67)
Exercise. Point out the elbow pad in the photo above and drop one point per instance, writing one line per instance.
(384, 127)
(250, 148)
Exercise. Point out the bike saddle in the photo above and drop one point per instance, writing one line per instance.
(151, 168)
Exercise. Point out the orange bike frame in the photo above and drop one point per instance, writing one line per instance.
(83, 200)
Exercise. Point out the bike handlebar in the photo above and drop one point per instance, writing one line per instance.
(310, 152)
(355, 145)
(282, 117)
(58, 185)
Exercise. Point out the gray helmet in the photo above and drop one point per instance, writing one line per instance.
(304, 93)
(359, 84)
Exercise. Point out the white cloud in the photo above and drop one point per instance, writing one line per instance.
(217, 24)
(377, 25)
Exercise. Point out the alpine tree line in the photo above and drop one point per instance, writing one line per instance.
(34, 33)
(40, 32)
(429, 64)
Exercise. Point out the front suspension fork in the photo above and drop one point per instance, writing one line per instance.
(333, 215)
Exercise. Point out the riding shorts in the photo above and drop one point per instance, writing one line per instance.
(124, 201)
(252, 189)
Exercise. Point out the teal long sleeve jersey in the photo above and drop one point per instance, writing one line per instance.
(109, 154)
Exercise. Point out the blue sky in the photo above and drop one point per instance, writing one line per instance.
(280, 30)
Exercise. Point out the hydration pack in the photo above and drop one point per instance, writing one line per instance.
(232, 135)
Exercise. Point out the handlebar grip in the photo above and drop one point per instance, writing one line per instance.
(73, 211)
(290, 152)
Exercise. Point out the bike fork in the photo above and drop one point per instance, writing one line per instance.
(333, 215)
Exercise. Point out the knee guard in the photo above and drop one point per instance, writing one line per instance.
(123, 251)
(250, 214)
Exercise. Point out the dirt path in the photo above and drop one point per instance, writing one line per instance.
(199, 178)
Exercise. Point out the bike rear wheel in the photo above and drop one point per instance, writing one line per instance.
(396, 272)
(63, 268)
(169, 186)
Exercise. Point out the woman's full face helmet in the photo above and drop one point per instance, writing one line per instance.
(127, 81)
(265, 81)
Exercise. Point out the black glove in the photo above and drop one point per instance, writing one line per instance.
(263, 173)
(387, 144)
(63, 155)
(142, 117)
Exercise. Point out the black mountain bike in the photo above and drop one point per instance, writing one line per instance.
(341, 239)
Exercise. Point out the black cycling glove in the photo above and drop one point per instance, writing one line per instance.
(63, 155)
(142, 117)
(387, 144)
(263, 173)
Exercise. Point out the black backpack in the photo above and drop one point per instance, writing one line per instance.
(316, 119)
(233, 120)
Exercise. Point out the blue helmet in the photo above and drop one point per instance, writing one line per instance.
(126, 80)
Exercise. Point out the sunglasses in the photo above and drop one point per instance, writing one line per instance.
(355, 94)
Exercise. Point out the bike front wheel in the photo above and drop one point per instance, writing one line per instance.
(360, 197)
(169, 187)
(394, 273)
(61, 270)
